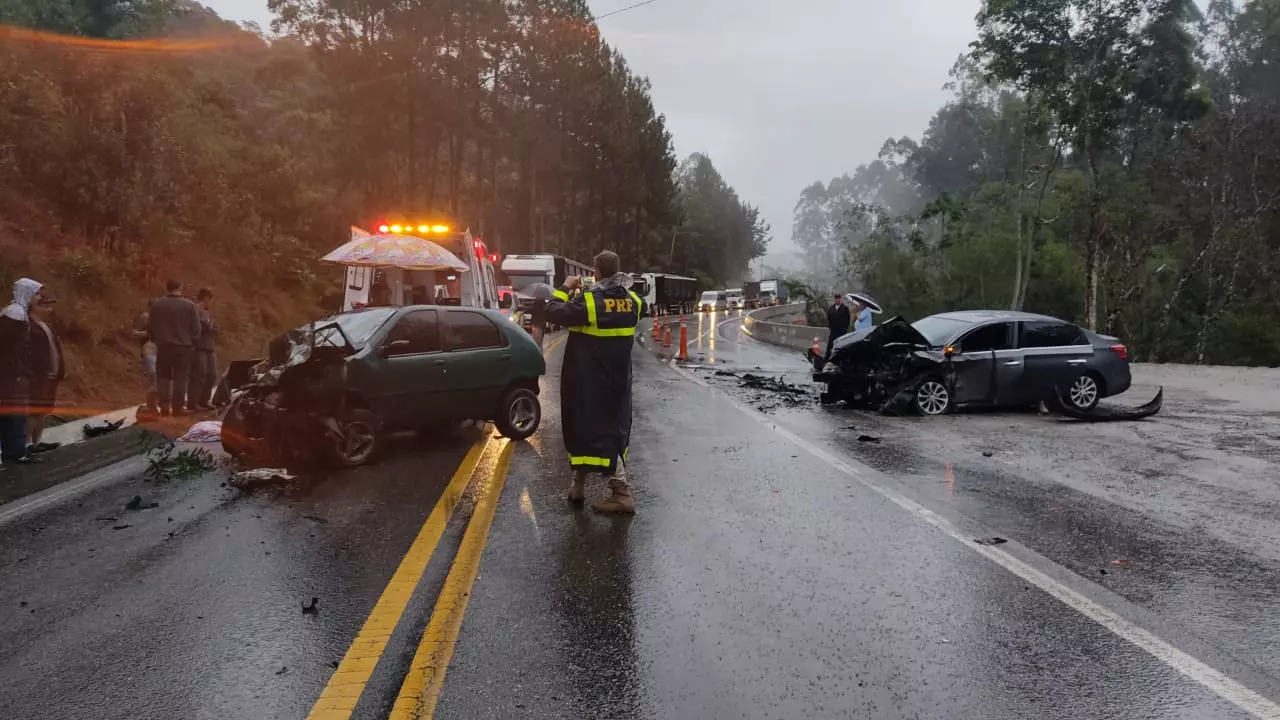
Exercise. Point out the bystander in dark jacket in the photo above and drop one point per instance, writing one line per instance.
(174, 326)
(838, 319)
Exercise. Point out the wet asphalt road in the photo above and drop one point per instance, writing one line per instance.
(760, 579)
(1208, 575)
(194, 609)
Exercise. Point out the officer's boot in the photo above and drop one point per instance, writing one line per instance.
(578, 487)
(619, 501)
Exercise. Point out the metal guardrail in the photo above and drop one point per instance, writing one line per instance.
(763, 325)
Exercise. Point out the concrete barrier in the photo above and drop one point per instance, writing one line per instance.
(768, 325)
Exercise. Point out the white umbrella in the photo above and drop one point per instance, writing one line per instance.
(872, 305)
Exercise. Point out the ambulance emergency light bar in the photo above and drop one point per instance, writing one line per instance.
(423, 229)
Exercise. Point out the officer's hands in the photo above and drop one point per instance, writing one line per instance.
(573, 282)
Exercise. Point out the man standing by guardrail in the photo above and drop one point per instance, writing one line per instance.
(837, 322)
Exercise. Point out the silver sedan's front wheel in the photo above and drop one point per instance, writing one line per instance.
(1084, 393)
(932, 397)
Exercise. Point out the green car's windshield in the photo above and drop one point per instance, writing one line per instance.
(359, 326)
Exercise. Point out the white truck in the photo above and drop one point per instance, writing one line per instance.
(773, 292)
(668, 293)
(524, 271)
(735, 298)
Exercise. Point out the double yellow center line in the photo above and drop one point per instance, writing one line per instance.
(421, 687)
(344, 688)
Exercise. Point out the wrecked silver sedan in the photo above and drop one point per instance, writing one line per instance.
(990, 358)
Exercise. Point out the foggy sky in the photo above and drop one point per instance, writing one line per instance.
(779, 93)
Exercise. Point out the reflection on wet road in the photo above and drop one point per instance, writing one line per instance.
(759, 581)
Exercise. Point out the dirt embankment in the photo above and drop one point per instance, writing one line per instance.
(98, 299)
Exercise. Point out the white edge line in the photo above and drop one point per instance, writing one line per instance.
(57, 493)
(1228, 689)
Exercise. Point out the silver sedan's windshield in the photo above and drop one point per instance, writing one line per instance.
(938, 329)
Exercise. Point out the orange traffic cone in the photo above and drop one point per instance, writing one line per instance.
(816, 349)
(684, 341)
(666, 339)
(657, 326)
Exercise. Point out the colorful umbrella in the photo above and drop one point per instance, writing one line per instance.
(407, 252)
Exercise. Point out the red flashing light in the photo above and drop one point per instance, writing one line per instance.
(493, 258)
(384, 228)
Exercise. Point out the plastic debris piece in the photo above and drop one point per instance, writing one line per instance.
(258, 477)
(991, 541)
(98, 428)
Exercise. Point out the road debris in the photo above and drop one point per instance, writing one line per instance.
(1109, 413)
(772, 384)
(313, 608)
(726, 373)
(991, 541)
(98, 428)
(316, 519)
(987, 453)
(1120, 561)
(137, 504)
(121, 527)
(868, 439)
(259, 477)
(283, 669)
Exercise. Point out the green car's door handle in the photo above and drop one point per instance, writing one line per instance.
(506, 356)
(439, 362)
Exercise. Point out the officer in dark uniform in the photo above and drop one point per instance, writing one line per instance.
(595, 381)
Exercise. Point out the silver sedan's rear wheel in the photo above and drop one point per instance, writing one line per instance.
(1085, 392)
(932, 397)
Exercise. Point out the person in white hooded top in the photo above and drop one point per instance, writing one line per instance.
(15, 361)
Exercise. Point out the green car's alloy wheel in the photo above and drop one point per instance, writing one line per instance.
(519, 413)
(361, 438)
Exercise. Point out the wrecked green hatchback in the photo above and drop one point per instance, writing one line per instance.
(334, 389)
